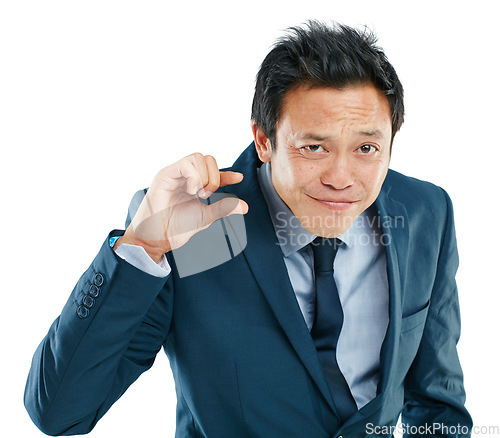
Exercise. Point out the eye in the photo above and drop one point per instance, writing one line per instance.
(367, 149)
(313, 148)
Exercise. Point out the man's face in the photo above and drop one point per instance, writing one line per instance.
(332, 154)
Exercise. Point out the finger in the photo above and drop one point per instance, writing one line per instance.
(226, 207)
(200, 165)
(213, 177)
(189, 172)
(193, 169)
(227, 178)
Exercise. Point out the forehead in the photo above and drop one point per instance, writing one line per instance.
(324, 109)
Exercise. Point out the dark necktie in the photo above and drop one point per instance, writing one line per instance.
(328, 323)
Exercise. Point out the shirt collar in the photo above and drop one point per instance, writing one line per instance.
(292, 236)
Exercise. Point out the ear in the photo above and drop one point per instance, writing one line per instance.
(262, 144)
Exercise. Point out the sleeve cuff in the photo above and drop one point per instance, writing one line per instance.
(139, 258)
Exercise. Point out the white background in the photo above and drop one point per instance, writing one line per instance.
(97, 96)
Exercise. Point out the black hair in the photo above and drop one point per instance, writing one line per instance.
(319, 55)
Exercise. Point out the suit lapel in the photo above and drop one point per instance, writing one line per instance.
(265, 258)
(395, 232)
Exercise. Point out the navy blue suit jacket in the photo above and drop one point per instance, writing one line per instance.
(242, 357)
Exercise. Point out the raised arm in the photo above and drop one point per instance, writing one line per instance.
(118, 316)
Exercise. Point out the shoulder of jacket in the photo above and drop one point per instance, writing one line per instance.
(407, 189)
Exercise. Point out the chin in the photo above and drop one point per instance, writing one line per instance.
(335, 224)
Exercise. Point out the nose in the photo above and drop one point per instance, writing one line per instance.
(338, 173)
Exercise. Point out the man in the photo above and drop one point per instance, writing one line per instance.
(338, 312)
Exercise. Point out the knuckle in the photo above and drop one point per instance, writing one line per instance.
(164, 170)
(196, 156)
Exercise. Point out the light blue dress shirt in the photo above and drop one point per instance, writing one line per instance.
(360, 276)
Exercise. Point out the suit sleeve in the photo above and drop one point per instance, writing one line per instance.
(434, 391)
(103, 340)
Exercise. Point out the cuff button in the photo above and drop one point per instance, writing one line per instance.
(94, 291)
(98, 279)
(82, 312)
(88, 301)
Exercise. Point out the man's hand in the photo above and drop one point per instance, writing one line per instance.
(171, 212)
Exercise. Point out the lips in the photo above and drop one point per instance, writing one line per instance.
(335, 203)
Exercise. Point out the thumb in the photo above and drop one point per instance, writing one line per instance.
(227, 206)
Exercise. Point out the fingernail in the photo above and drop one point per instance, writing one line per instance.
(204, 193)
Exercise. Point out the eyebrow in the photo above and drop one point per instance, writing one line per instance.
(309, 136)
(366, 133)
(372, 133)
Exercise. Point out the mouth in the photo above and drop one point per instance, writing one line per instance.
(335, 204)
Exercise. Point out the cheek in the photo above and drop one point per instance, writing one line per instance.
(306, 178)
(374, 177)
(294, 177)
